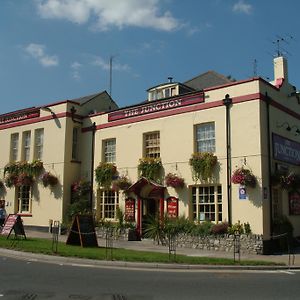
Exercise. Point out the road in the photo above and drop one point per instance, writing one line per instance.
(32, 280)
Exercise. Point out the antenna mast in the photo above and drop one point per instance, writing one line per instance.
(110, 74)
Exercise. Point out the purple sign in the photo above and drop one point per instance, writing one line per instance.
(286, 150)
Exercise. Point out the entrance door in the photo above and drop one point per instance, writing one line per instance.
(150, 210)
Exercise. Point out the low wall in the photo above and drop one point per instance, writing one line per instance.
(249, 244)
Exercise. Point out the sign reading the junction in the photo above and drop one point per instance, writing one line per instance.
(286, 150)
(156, 106)
(19, 116)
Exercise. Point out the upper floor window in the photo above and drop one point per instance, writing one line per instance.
(26, 145)
(14, 147)
(205, 137)
(38, 143)
(109, 150)
(152, 144)
(75, 143)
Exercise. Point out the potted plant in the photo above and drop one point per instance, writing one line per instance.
(149, 167)
(174, 181)
(289, 182)
(244, 177)
(36, 167)
(105, 173)
(49, 179)
(203, 164)
(121, 183)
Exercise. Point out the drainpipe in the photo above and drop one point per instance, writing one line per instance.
(268, 99)
(227, 101)
(92, 165)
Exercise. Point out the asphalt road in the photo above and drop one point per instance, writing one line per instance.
(32, 280)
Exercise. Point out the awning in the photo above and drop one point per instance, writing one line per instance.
(145, 188)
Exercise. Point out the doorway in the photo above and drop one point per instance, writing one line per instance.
(150, 211)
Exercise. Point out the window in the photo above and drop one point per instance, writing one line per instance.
(205, 137)
(26, 145)
(152, 144)
(38, 143)
(108, 204)
(14, 147)
(75, 144)
(24, 199)
(207, 203)
(109, 147)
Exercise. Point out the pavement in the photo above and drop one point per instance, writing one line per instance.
(291, 261)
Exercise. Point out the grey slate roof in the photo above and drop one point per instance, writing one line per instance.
(84, 99)
(206, 80)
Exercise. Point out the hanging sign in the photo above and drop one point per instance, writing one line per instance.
(130, 210)
(172, 207)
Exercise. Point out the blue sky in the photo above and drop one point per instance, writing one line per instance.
(53, 50)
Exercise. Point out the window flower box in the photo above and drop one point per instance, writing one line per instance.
(105, 173)
(203, 164)
(149, 167)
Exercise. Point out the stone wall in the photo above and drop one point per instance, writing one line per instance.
(249, 244)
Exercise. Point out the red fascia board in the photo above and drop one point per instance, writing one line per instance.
(35, 120)
(21, 111)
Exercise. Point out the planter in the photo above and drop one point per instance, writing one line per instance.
(149, 168)
(105, 173)
(174, 181)
(49, 179)
(244, 177)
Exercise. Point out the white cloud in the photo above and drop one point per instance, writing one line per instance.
(105, 65)
(242, 7)
(75, 67)
(110, 13)
(37, 51)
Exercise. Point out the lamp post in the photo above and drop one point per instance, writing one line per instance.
(227, 101)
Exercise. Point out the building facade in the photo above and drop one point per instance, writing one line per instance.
(250, 125)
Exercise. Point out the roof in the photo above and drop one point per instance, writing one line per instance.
(206, 80)
(85, 99)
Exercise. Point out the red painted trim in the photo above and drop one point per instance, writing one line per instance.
(24, 215)
(139, 217)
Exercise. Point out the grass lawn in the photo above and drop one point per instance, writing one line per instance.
(44, 246)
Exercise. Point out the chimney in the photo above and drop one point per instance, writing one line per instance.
(280, 71)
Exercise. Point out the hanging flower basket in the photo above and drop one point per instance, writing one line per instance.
(174, 181)
(34, 169)
(49, 179)
(11, 180)
(105, 173)
(290, 182)
(149, 167)
(243, 177)
(203, 164)
(121, 183)
(24, 179)
(81, 188)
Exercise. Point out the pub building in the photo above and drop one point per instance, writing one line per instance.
(247, 127)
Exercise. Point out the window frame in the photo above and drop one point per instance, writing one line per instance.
(23, 191)
(38, 143)
(14, 147)
(151, 151)
(209, 142)
(109, 153)
(108, 203)
(26, 148)
(207, 203)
